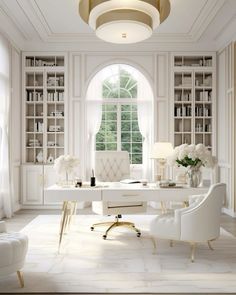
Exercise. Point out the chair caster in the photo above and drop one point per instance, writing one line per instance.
(92, 228)
(138, 235)
(104, 237)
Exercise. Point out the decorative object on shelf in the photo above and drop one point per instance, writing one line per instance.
(39, 157)
(66, 165)
(192, 157)
(122, 21)
(50, 159)
(161, 151)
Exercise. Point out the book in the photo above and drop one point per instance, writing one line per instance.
(129, 181)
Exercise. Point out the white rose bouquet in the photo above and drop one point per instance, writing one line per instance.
(191, 156)
(66, 164)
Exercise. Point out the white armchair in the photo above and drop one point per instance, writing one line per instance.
(113, 166)
(200, 222)
(13, 249)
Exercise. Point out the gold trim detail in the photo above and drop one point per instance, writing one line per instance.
(124, 14)
(85, 7)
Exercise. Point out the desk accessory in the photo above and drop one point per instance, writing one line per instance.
(93, 179)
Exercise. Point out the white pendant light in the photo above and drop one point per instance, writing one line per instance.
(124, 21)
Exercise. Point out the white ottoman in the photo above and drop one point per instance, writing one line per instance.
(13, 249)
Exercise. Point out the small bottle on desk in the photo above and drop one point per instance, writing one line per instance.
(93, 179)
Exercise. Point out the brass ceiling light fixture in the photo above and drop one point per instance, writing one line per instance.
(124, 21)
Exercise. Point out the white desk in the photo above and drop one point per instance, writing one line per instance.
(120, 192)
(113, 192)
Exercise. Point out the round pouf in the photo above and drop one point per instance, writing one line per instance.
(13, 249)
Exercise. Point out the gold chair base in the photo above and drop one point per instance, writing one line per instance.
(111, 225)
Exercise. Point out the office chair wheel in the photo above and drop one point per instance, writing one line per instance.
(138, 235)
(104, 237)
(92, 228)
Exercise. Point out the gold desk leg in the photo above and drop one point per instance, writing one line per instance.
(20, 278)
(171, 243)
(163, 208)
(63, 222)
(193, 247)
(209, 245)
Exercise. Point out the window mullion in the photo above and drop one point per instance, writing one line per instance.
(119, 126)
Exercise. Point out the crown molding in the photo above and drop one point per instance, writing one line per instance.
(46, 36)
(205, 17)
(37, 19)
(12, 33)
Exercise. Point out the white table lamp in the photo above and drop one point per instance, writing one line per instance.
(161, 151)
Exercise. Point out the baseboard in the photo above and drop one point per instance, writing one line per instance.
(16, 207)
(229, 212)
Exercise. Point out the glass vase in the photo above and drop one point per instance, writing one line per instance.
(194, 176)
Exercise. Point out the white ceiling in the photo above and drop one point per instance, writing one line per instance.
(31, 24)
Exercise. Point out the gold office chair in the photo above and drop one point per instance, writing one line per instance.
(112, 166)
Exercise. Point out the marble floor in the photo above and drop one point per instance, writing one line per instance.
(23, 217)
(115, 267)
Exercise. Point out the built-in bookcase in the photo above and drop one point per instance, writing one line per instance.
(194, 99)
(44, 89)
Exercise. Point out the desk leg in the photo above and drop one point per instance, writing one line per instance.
(63, 221)
(163, 207)
(68, 213)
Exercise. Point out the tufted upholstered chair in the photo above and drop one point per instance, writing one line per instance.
(13, 249)
(200, 222)
(113, 166)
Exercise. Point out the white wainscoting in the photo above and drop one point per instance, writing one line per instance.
(226, 125)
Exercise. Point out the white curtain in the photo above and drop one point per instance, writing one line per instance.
(93, 120)
(5, 184)
(145, 122)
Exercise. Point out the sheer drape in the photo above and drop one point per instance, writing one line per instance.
(145, 122)
(5, 185)
(93, 120)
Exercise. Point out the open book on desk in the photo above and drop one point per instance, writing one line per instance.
(130, 181)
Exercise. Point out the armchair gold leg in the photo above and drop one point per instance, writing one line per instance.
(20, 278)
(209, 245)
(171, 243)
(193, 248)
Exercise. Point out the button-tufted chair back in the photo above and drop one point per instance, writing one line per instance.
(112, 166)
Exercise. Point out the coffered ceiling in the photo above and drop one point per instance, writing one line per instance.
(55, 23)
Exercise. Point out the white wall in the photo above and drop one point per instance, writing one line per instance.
(83, 66)
(226, 124)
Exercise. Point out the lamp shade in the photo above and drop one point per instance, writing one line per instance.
(124, 21)
(161, 150)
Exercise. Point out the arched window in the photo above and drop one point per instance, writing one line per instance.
(119, 128)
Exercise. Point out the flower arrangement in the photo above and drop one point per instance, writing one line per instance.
(66, 164)
(191, 156)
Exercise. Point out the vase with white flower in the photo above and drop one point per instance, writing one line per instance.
(192, 157)
(65, 166)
